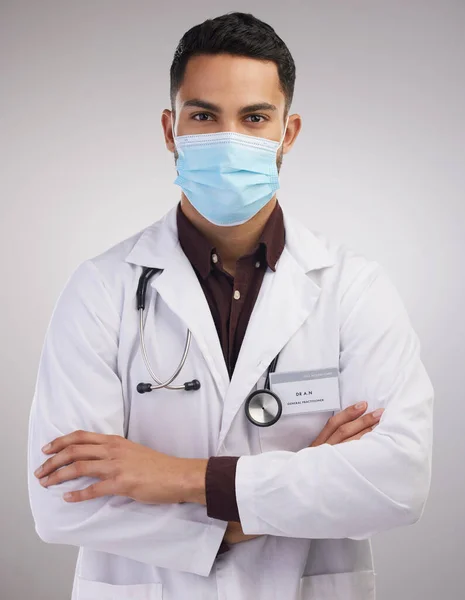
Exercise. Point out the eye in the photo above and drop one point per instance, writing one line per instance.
(201, 115)
(257, 117)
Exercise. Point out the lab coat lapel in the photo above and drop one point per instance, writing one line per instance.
(179, 287)
(286, 299)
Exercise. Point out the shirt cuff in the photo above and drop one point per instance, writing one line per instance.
(220, 488)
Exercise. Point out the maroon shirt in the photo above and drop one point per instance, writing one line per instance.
(231, 301)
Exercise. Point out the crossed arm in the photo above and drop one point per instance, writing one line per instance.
(125, 468)
(385, 475)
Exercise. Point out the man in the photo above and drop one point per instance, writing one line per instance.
(203, 494)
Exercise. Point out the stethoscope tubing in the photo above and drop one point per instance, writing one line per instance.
(147, 273)
(164, 384)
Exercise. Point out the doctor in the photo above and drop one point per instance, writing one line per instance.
(175, 494)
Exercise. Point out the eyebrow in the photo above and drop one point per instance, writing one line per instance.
(198, 103)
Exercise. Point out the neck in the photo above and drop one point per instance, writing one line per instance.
(234, 241)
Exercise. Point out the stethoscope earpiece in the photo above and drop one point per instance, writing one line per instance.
(189, 386)
(142, 388)
(193, 385)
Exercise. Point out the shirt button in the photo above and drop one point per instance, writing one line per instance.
(237, 295)
(215, 258)
(257, 264)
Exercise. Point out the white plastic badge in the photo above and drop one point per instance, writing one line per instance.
(307, 391)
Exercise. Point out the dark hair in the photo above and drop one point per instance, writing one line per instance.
(236, 33)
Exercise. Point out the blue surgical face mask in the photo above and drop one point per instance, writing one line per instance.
(228, 177)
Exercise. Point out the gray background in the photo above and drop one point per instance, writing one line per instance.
(378, 165)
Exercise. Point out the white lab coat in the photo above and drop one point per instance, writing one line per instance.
(315, 508)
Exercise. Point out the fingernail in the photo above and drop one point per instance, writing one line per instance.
(43, 480)
(360, 405)
(378, 412)
(46, 447)
(38, 471)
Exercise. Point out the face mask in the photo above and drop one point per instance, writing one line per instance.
(228, 177)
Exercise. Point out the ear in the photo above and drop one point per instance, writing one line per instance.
(293, 129)
(168, 129)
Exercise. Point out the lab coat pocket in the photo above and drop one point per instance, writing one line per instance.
(97, 590)
(293, 432)
(356, 585)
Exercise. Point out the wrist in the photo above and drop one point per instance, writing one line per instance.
(193, 480)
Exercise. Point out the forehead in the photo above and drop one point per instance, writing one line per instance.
(226, 79)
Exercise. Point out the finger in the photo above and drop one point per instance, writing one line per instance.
(348, 430)
(102, 469)
(359, 435)
(96, 490)
(348, 414)
(71, 454)
(76, 437)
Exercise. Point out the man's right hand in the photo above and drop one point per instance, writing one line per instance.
(349, 424)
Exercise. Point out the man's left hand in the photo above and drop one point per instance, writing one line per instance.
(124, 468)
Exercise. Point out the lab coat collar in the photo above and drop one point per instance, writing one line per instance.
(157, 243)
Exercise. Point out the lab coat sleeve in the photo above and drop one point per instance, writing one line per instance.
(362, 487)
(78, 387)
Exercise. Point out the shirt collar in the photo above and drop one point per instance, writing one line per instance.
(199, 249)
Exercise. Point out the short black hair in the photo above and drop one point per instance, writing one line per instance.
(236, 33)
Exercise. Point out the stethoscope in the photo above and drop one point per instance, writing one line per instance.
(142, 388)
(262, 406)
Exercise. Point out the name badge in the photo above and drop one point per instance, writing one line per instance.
(307, 391)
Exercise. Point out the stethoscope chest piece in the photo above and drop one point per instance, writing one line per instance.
(263, 408)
